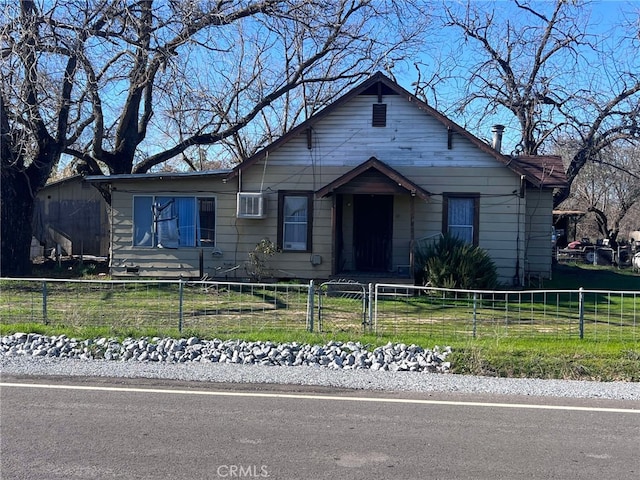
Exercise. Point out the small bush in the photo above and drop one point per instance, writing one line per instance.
(453, 263)
(259, 259)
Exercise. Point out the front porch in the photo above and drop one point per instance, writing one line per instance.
(373, 219)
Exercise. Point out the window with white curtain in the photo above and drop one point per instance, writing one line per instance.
(294, 221)
(460, 216)
(173, 222)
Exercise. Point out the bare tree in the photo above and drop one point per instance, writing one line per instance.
(124, 86)
(609, 189)
(543, 67)
(37, 122)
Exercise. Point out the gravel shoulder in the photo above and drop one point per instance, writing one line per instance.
(319, 376)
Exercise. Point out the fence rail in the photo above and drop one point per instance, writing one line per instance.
(594, 314)
(382, 309)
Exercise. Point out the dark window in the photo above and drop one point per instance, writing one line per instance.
(207, 213)
(295, 215)
(379, 115)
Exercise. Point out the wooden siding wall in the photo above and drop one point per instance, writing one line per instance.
(499, 216)
(412, 143)
(250, 231)
(401, 253)
(74, 215)
(411, 138)
(415, 145)
(179, 262)
(538, 232)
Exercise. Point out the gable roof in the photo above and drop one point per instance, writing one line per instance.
(382, 85)
(60, 181)
(375, 165)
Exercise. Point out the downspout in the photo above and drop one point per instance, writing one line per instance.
(516, 277)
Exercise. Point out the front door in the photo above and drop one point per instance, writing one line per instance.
(373, 227)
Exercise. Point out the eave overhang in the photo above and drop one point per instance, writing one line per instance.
(373, 164)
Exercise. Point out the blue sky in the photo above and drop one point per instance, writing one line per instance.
(604, 15)
(604, 18)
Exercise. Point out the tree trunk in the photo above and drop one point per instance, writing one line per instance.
(16, 207)
(577, 162)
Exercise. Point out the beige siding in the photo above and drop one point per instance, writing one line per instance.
(538, 232)
(411, 138)
(499, 212)
(127, 260)
(237, 237)
(401, 243)
(413, 143)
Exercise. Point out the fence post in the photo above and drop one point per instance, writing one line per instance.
(370, 306)
(180, 304)
(475, 308)
(310, 308)
(581, 312)
(375, 309)
(44, 303)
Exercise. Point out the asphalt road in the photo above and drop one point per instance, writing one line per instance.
(73, 428)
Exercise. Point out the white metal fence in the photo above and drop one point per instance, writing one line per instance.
(209, 308)
(593, 314)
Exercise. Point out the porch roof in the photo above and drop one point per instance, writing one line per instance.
(541, 170)
(375, 165)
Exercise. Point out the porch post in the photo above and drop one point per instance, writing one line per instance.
(334, 240)
(412, 214)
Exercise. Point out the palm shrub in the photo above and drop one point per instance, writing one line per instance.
(452, 263)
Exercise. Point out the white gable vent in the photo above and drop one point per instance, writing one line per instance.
(251, 205)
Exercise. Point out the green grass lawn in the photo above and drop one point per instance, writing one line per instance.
(593, 277)
(108, 312)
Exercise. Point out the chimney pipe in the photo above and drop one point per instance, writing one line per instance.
(497, 137)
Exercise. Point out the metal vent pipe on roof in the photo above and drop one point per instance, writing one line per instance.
(497, 131)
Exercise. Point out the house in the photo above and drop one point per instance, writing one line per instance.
(352, 190)
(72, 214)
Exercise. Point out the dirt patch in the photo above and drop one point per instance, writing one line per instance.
(69, 266)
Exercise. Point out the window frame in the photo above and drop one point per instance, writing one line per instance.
(197, 236)
(134, 223)
(476, 212)
(282, 194)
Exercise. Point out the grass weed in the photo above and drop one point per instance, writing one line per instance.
(606, 357)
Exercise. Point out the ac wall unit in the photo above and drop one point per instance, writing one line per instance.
(251, 205)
